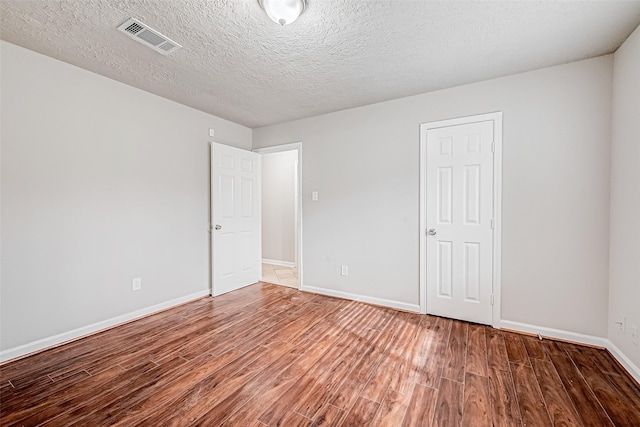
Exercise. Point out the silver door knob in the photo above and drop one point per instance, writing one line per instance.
(431, 232)
(218, 227)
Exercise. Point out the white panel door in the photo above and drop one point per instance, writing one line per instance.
(235, 216)
(459, 217)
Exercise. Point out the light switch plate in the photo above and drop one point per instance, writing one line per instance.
(314, 196)
(622, 323)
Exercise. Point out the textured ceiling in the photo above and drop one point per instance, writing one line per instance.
(239, 65)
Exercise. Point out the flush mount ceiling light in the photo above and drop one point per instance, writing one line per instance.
(283, 12)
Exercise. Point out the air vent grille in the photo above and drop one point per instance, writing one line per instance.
(148, 36)
(134, 28)
(167, 46)
(151, 38)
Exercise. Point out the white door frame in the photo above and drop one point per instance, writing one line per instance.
(497, 205)
(297, 146)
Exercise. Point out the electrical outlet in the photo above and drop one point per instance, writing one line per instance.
(634, 334)
(136, 285)
(344, 270)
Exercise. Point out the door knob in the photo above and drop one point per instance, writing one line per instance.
(431, 232)
(218, 227)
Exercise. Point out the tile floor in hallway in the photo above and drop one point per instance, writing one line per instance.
(280, 275)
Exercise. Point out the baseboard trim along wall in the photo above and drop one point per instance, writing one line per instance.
(281, 263)
(65, 337)
(554, 333)
(624, 361)
(362, 298)
(591, 340)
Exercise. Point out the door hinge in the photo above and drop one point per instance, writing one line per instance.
(491, 299)
(493, 147)
(493, 223)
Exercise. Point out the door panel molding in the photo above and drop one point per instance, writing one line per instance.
(445, 148)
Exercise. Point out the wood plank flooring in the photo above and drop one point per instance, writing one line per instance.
(267, 355)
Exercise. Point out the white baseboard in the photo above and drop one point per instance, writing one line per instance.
(631, 368)
(362, 298)
(624, 361)
(281, 263)
(555, 333)
(44, 343)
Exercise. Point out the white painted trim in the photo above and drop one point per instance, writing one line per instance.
(363, 298)
(279, 148)
(422, 248)
(276, 262)
(55, 340)
(290, 147)
(554, 333)
(496, 117)
(559, 334)
(497, 216)
(630, 367)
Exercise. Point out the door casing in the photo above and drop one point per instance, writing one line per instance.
(496, 117)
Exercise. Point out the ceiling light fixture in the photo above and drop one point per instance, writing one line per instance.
(283, 12)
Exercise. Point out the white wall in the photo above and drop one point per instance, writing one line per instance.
(278, 206)
(101, 183)
(364, 164)
(624, 278)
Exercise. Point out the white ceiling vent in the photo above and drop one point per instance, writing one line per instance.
(148, 36)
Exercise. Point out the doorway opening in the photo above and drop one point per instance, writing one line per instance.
(281, 215)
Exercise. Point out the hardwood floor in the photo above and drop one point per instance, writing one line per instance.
(268, 355)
